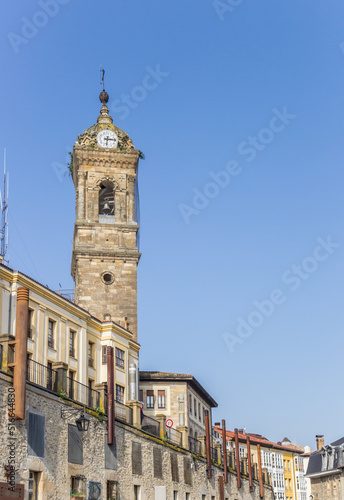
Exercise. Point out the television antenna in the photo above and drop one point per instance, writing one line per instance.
(4, 213)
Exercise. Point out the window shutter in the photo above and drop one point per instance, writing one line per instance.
(136, 456)
(187, 471)
(75, 445)
(161, 393)
(36, 434)
(110, 455)
(174, 468)
(150, 393)
(157, 462)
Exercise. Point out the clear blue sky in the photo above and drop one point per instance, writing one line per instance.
(257, 89)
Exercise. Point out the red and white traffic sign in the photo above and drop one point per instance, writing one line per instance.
(169, 422)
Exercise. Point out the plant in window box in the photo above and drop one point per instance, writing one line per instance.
(62, 394)
(100, 413)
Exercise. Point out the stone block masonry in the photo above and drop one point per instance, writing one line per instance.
(139, 463)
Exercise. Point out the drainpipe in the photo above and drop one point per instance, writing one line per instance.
(207, 441)
(224, 449)
(249, 464)
(261, 486)
(20, 362)
(110, 395)
(132, 379)
(237, 458)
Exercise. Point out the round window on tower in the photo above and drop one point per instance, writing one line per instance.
(108, 278)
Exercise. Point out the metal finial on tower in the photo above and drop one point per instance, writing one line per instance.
(103, 96)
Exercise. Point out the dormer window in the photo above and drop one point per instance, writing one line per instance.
(324, 460)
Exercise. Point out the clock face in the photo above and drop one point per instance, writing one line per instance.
(107, 139)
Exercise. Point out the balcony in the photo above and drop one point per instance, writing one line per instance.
(81, 393)
(46, 377)
(41, 375)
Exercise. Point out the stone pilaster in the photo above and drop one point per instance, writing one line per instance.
(62, 370)
(217, 447)
(161, 419)
(201, 439)
(102, 389)
(7, 351)
(136, 407)
(185, 435)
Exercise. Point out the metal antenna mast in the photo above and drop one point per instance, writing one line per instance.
(4, 212)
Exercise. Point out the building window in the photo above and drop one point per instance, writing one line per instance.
(199, 411)
(104, 355)
(90, 354)
(33, 485)
(141, 396)
(187, 496)
(119, 394)
(137, 492)
(29, 329)
(195, 407)
(71, 384)
(175, 495)
(90, 393)
(190, 403)
(150, 399)
(50, 376)
(72, 334)
(119, 358)
(161, 399)
(51, 328)
(77, 486)
(203, 415)
(111, 490)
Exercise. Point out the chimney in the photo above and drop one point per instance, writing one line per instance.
(320, 441)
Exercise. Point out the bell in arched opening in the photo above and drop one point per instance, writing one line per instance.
(106, 198)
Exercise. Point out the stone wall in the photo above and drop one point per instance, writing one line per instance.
(139, 460)
(117, 298)
(329, 487)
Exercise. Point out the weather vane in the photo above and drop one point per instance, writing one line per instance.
(102, 81)
(103, 96)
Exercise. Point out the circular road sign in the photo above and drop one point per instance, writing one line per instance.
(169, 422)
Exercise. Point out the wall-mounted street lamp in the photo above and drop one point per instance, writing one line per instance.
(82, 422)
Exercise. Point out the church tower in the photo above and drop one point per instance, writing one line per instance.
(105, 253)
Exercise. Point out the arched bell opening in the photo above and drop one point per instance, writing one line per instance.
(106, 198)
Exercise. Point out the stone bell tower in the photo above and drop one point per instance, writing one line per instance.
(105, 254)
